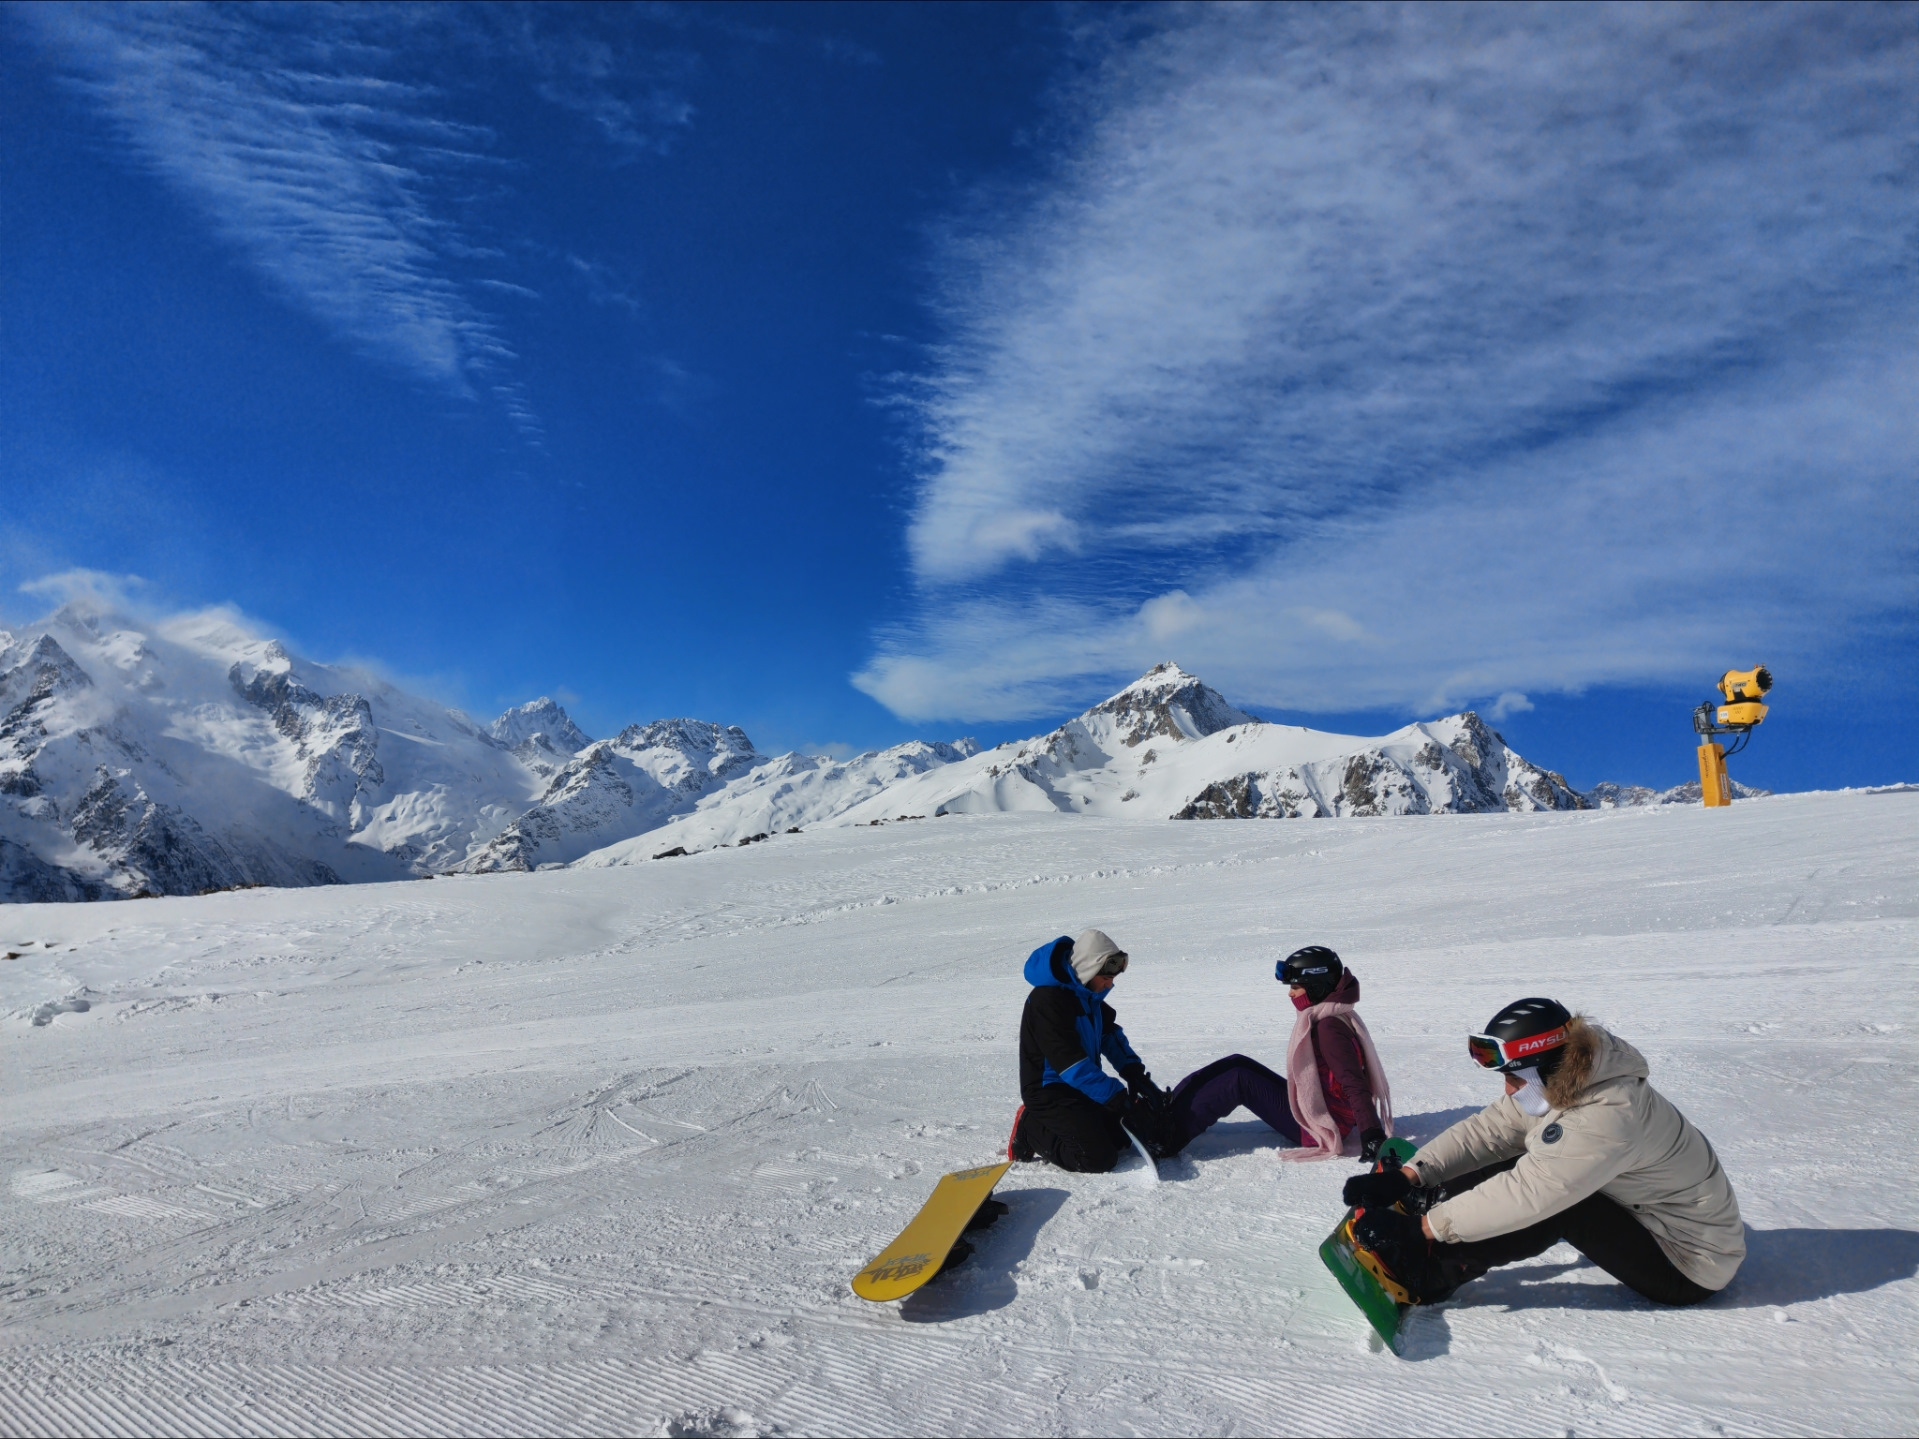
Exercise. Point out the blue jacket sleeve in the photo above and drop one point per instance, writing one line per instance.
(1092, 1081)
(1116, 1048)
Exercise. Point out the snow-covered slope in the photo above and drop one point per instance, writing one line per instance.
(192, 754)
(597, 1151)
(1168, 746)
(794, 789)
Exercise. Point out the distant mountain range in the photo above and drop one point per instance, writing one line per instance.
(191, 756)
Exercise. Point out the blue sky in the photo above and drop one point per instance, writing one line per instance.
(858, 372)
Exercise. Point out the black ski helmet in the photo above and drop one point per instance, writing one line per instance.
(1525, 1019)
(1315, 969)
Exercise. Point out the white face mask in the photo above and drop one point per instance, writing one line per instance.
(1532, 1099)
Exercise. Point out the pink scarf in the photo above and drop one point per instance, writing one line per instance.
(1318, 1130)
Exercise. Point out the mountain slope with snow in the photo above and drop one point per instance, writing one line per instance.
(1167, 746)
(794, 789)
(192, 754)
(618, 788)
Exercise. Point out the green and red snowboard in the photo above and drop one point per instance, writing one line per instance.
(1379, 1298)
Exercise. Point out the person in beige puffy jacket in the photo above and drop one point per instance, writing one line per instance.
(1583, 1149)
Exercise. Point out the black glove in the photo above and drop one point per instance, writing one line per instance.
(1384, 1229)
(1140, 1085)
(1379, 1190)
(1369, 1142)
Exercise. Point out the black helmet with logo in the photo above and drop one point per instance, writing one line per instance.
(1315, 969)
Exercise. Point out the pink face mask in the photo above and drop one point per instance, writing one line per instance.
(1300, 1001)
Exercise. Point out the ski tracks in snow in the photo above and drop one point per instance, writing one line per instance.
(598, 1151)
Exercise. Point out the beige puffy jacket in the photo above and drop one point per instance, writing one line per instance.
(1609, 1132)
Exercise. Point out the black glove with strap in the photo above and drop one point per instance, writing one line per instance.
(1381, 1189)
(1139, 1084)
(1369, 1142)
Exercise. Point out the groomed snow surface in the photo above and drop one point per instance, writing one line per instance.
(597, 1151)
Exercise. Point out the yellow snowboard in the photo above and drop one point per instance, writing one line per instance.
(917, 1255)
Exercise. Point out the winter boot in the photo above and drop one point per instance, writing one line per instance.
(1017, 1149)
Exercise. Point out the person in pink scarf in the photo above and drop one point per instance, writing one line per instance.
(1335, 1084)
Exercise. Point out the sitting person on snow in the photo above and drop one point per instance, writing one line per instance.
(1336, 1086)
(1078, 1116)
(1581, 1148)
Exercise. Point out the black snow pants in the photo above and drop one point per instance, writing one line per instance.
(1599, 1228)
(1064, 1127)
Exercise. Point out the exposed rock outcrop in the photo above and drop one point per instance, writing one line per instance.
(615, 789)
(1607, 795)
(1461, 767)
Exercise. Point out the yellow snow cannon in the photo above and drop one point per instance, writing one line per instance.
(1742, 689)
(1739, 715)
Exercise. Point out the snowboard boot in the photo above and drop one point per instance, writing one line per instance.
(1017, 1149)
(1155, 1129)
(1394, 1250)
(987, 1215)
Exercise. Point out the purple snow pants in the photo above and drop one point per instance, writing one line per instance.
(1208, 1095)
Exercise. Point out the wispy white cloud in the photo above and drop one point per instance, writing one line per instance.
(1398, 357)
(632, 94)
(1511, 702)
(300, 153)
(99, 586)
(309, 139)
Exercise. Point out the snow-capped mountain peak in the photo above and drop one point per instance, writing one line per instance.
(540, 716)
(1169, 746)
(193, 753)
(1164, 703)
(791, 789)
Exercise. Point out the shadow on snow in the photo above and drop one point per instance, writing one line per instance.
(984, 1282)
(1783, 1267)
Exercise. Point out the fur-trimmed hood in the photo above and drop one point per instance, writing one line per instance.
(1591, 1057)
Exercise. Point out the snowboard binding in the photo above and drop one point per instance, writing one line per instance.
(985, 1216)
(1369, 1259)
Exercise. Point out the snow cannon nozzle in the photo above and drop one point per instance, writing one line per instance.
(1750, 684)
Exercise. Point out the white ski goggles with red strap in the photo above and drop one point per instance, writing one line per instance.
(1490, 1053)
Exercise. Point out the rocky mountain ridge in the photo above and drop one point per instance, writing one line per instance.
(1607, 795)
(617, 788)
(1169, 746)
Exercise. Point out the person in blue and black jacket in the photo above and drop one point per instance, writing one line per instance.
(1074, 1113)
